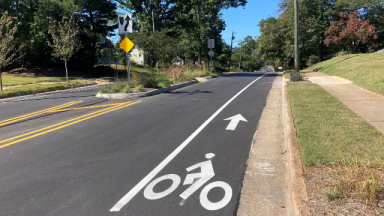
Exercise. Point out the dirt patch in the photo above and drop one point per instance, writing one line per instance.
(320, 181)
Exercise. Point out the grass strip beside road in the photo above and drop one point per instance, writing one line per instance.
(28, 89)
(12, 79)
(321, 120)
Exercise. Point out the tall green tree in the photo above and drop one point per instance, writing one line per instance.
(7, 45)
(94, 21)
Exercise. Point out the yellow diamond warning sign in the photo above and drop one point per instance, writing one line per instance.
(126, 44)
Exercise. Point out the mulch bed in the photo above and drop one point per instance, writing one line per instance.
(319, 182)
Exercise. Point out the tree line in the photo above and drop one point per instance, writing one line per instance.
(164, 29)
(328, 28)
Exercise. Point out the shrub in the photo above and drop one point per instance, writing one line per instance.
(127, 89)
(312, 60)
(115, 89)
(105, 89)
(341, 53)
(132, 62)
(295, 76)
(159, 81)
(139, 88)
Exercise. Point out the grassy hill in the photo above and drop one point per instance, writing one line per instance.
(365, 70)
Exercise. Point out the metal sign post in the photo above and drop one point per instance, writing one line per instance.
(128, 71)
(125, 27)
(211, 45)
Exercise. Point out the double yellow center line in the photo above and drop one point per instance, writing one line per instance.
(64, 124)
(19, 118)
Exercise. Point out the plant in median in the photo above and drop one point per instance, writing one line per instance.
(159, 81)
(116, 89)
(127, 89)
(139, 88)
(105, 90)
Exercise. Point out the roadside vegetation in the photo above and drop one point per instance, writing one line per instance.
(343, 154)
(12, 79)
(145, 79)
(38, 88)
(365, 70)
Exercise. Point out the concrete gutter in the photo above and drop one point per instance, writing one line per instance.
(296, 170)
(146, 94)
(266, 185)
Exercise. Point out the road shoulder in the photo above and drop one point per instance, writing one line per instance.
(266, 185)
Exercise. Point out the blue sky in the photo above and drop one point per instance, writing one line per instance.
(243, 21)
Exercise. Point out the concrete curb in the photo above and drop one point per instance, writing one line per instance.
(203, 79)
(296, 170)
(146, 94)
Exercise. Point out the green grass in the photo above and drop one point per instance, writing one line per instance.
(122, 69)
(288, 74)
(33, 88)
(365, 70)
(321, 120)
(11, 79)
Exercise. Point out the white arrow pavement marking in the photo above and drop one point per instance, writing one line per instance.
(234, 121)
(127, 197)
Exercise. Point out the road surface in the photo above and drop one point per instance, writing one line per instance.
(87, 156)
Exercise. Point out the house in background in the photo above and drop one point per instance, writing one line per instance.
(137, 55)
(104, 50)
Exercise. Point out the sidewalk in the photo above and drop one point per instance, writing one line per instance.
(367, 104)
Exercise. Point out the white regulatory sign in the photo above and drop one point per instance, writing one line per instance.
(125, 23)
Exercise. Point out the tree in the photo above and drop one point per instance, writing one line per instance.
(7, 48)
(94, 19)
(65, 41)
(349, 31)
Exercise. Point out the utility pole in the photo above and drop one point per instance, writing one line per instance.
(297, 51)
(230, 54)
(241, 44)
(153, 21)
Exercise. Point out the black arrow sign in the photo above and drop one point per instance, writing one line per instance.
(126, 26)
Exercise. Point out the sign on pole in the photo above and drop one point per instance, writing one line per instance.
(211, 43)
(126, 44)
(211, 53)
(125, 26)
(125, 23)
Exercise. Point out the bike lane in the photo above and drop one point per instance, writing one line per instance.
(87, 168)
(200, 190)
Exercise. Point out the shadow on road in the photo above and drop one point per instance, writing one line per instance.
(253, 74)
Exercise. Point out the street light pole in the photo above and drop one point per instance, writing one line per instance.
(297, 51)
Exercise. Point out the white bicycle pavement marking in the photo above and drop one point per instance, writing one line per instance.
(133, 192)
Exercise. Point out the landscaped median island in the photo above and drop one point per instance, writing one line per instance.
(147, 84)
(342, 154)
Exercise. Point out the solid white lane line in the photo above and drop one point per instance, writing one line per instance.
(132, 193)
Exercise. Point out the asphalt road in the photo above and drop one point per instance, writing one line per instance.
(131, 158)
